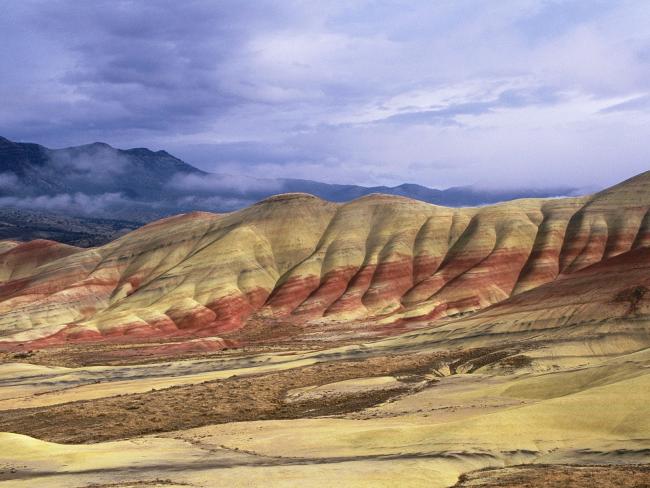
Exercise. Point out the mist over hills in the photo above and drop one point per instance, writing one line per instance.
(139, 185)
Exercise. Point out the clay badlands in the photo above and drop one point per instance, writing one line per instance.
(298, 342)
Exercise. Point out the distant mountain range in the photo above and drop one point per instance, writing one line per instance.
(138, 185)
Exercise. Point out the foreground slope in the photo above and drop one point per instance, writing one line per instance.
(533, 380)
(296, 259)
(551, 369)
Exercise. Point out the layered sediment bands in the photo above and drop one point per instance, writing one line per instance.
(543, 264)
(323, 294)
(604, 308)
(19, 260)
(297, 259)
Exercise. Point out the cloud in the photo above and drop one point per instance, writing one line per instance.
(223, 185)
(641, 103)
(96, 163)
(368, 92)
(9, 181)
(502, 94)
(75, 203)
(217, 203)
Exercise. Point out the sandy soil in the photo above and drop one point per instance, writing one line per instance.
(351, 415)
(233, 399)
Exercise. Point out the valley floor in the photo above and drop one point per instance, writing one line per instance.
(411, 410)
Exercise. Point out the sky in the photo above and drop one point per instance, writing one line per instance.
(496, 94)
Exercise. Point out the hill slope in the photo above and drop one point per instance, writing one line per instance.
(296, 259)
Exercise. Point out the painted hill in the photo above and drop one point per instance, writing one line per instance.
(600, 311)
(296, 259)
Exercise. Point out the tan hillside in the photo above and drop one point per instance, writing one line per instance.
(302, 260)
(383, 342)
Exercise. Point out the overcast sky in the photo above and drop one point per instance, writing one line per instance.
(495, 93)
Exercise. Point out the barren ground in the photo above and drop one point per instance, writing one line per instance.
(398, 412)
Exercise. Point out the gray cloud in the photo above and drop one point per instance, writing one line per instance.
(94, 164)
(9, 181)
(76, 203)
(448, 114)
(224, 184)
(368, 92)
(216, 202)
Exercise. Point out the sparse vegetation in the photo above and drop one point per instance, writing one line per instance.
(633, 296)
